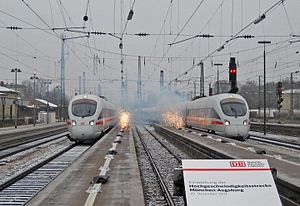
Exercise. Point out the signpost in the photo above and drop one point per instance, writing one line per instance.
(229, 183)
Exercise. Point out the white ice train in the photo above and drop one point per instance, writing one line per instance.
(89, 116)
(225, 113)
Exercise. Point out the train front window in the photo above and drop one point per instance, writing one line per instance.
(234, 107)
(84, 108)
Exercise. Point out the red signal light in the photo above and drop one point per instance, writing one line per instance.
(232, 71)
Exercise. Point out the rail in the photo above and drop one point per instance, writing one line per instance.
(162, 184)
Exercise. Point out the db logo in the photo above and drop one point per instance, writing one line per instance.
(237, 164)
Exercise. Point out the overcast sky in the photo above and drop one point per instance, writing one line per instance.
(36, 48)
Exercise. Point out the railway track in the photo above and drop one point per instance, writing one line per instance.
(282, 129)
(20, 147)
(20, 189)
(284, 142)
(13, 139)
(157, 161)
(275, 141)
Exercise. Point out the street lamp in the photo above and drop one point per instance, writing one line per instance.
(34, 77)
(292, 95)
(218, 81)
(16, 70)
(265, 117)
(47, 82)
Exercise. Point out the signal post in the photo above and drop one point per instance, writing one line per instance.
(279, 98)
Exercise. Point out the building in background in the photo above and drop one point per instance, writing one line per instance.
(286, 103)
(7, 106)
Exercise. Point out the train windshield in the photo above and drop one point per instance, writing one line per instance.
(84, 108)
(234, 107)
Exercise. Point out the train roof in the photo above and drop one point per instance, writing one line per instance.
(89, 96)
(220, 97)
(103, 97)
(197, 97)
(97, 98)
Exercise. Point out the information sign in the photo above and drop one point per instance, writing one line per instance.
(229, 183)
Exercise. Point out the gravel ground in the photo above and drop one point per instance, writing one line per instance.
(16, 164)
(165, 163)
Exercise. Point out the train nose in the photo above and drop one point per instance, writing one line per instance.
(237, 130)
(82, 133)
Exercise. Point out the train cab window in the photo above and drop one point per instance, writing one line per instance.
(234, 107)
(100, 115)
(84, 108)
(213, 114)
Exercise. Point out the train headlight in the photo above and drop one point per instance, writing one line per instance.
(73, 122)
(92, 123)
(245, 122)
(227, 122)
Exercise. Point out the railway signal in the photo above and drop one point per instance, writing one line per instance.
(279, 95)
(232, 75)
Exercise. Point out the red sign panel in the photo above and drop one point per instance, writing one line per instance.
(237, 164)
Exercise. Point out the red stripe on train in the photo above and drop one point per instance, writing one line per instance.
(217, 122)
(205, 121)
(109, 119)
(99, 122)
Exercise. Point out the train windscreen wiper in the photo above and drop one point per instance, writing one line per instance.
(235, 112)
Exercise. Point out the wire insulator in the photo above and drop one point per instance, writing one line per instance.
(13, 27)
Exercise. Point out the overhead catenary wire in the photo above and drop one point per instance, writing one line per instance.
(59, 5)
(126, 23)
(233, 37)
(24, 70)
(51, 13)
(181, 30)
(53, 30)
(177, 62)
(27, 42)
(165, 52)
(33, 11)
(161, 29)
(206, 24)
(25, 22)
(288, 19)
(73, 51)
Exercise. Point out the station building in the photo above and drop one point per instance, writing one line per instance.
(7, 100)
